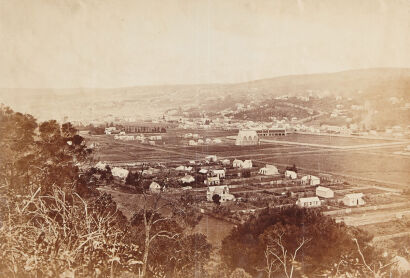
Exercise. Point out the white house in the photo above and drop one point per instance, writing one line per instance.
(291, 174)
(247, 137)
(154, 187)
(109, 130)
(212, 181)
(184, 168)
(237, 163)
(119, 172)
(212, 158)
(324, 192)
(226, 162)
(353, 199)
(310, 180)
(269, 170)
(222, 191)
(200, 141)
(101, 166)
(309, 202)
(187, 179)
(192, 143)
(203, 171)
(247, 164)
(220, 173)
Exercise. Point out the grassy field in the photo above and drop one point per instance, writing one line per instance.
(327, 139)
(365, 165)
(377, 163)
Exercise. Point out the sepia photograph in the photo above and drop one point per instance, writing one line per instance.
(205, 138)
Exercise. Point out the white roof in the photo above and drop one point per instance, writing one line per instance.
(219, 171)
(324, 188)
(154, 185)
(119, 172)
(310, 177)
(247, 133)
(100, 165)
(354, 195)
(309, 199)
(218, 188)
(203, 171)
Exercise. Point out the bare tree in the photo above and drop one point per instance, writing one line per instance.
(161, 217)
(279, 255)
(379, 270)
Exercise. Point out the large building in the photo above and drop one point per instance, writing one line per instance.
(247, 137)
(271, 132)
(143, 127)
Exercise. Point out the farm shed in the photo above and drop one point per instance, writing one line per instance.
(324, 192)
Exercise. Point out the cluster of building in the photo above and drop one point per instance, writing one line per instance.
(350, 200)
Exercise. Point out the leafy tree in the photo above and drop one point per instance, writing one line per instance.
(217, 199)
(325, 243)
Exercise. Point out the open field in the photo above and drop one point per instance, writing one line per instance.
(367, 163)
(327, 139)
(362, 165)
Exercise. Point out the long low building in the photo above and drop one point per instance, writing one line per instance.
(143, 127)
(271, 132)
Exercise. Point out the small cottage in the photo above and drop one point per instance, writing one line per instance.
(247, 164)
(354, 199)
(310, 180)
(222, 191)
(212, 181)
(220, 173)
(237, 163)
(310, 202)
(269, 170)
(291, 175)
(187, 179)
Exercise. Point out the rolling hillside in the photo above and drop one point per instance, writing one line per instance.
(148, 101)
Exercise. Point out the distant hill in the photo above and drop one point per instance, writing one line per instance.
(149, 101)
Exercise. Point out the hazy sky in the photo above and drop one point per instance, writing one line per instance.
(115, 43)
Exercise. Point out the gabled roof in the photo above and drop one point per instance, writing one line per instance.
(354, 195)
(218, 171)
(324, 188)
(309, 199)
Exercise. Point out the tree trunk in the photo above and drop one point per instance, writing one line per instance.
(146, 251)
